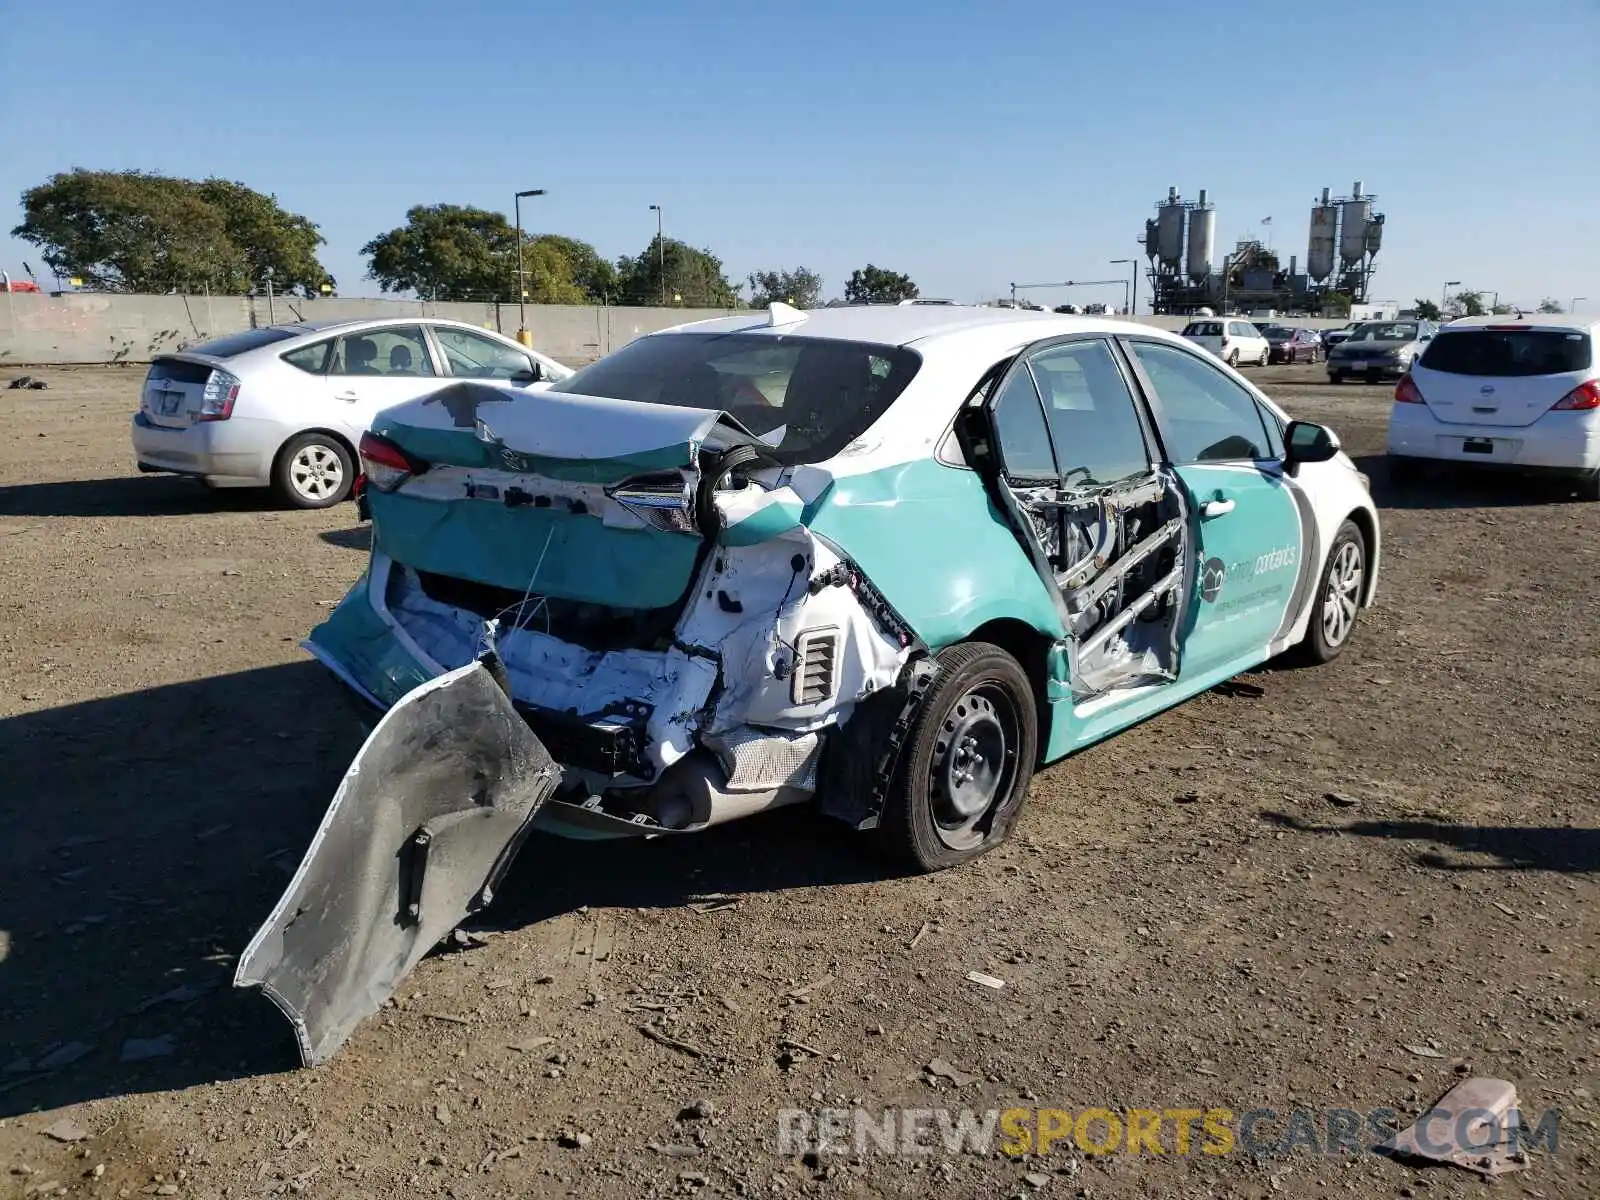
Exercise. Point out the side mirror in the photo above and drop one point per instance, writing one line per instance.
(1308, 442)
(525, 376)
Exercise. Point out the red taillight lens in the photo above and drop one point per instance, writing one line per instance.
(1406, 392)
(1582, 398)
(383, 463)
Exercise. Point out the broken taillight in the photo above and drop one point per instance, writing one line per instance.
(384, 464)
(1584, 397)
(1407, 392)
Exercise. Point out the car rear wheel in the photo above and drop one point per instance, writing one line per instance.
(313, 470)
(1589, 486)
(967, 761)
(1265, 356)
(1233, 358)
(1337, 599)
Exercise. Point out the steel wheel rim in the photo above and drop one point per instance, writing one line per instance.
(974, 766)
(316, 472)
(1342, 596)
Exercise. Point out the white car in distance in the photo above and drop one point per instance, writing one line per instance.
(285, 406)
(1515, 393)
(1233, 340)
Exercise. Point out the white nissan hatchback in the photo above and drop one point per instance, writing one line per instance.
(1519, 393)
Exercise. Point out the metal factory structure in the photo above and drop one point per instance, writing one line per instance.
(1185, 275)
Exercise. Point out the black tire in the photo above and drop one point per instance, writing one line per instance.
(1332, 378)
(978, 718)
(1589, 486)
(313, 470)
(1266, 358)
(1322, 643)
(1233, 359)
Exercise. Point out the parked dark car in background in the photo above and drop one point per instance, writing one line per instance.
(1289, 345)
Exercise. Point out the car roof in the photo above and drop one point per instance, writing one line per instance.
(377, 322)
(908, 325)
(1531, 320)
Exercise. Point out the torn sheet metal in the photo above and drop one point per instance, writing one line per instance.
(423, 826)
(1475, 1125)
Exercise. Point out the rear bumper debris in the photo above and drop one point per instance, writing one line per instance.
(422, 828)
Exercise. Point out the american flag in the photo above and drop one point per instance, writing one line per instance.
(1266, 220)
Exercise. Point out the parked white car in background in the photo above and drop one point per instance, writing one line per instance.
(1231, 339)
(1520, 393)
(285, 406)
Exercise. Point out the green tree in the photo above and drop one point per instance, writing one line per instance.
(800, 287)
(267, 236)
(1548, 305)
(1470, 304)
(1427, 310)
(138, 231)
(667, 268)
(447, 252)
(876, 285)
(595, 277)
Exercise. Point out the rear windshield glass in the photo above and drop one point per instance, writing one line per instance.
(1509, 352)
(1275, 332)
(808, 397)
(1203, 329)
(250, 339)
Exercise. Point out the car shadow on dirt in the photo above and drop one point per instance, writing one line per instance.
(357, 538)
(148, 835)
(127, 496)
(1516, 847)
(1460, 487)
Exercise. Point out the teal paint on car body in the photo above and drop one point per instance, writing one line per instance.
(930, 540)
(559, 553)
(464, 448)
(1248, 557)
(773, 519)
(357, 638)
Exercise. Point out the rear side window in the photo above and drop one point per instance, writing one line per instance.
(1203, 329)
(1090, 409)
(249, 339)
(312, 358)
(1509, 352)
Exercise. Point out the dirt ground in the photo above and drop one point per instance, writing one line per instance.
(1184, 918)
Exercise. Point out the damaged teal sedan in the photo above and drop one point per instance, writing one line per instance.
(885, 560)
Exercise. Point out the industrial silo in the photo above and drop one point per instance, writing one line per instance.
(1324, 222)
(1202, 240)
(1169, 231)
(1354, 217)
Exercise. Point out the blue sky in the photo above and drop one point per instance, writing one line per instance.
(967, 144)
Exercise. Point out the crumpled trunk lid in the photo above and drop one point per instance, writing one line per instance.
(522, 492)
(425, 823)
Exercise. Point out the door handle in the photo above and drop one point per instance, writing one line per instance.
(350, 396)
(1216, 508)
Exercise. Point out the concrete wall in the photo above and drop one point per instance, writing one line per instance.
(97, 328)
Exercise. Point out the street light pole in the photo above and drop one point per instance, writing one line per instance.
(1573, 306)
(523, 335)
(1133, 272)
(661, 254)
(1444, 292)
